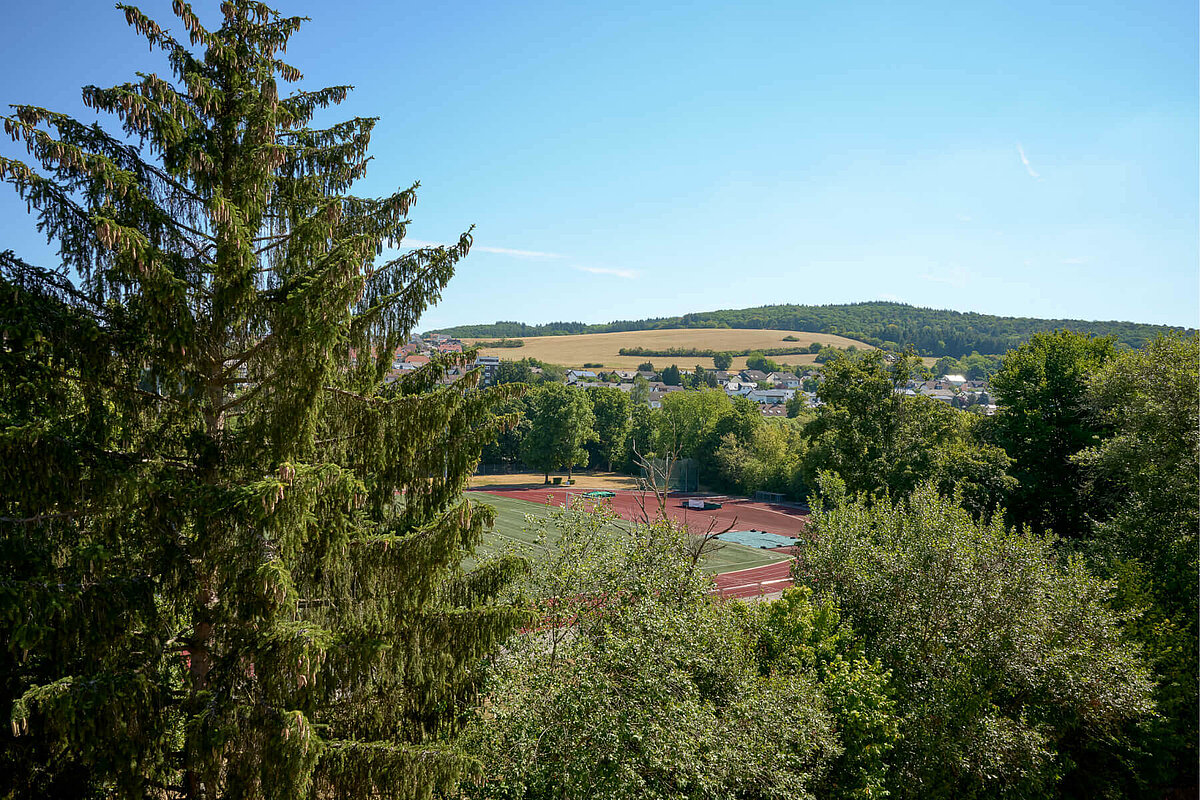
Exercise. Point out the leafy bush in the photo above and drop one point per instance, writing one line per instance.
(1011, 670)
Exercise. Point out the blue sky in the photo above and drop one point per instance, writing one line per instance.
(625, 160)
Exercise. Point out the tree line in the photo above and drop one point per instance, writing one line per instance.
(891, 326)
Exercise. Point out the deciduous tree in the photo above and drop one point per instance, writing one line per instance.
(1044, 420)
(1012, 672)
(561, 423)
(610, 407)
(1144, 491)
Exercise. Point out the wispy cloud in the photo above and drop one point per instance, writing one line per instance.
(410, 242)
(507, 251)
(627, 274)
(504, 251)
(1028, 167)
(954, 276)
(963, 217)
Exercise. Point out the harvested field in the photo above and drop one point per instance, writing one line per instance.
(604, 348)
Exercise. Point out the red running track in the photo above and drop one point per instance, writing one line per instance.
(735, 513)
(756, 581)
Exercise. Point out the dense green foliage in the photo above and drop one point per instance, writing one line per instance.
(892, 326)
(1012, 677)
(529, 370)
(1144, 487)
(231, 551)
(1045, 421)
(882, 442)
(762, 457)
(643, 684)
(610, 409)
(561, 423)
(973, 367)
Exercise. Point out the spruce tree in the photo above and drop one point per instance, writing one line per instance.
(231, 549)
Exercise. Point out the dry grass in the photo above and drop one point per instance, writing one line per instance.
(604, 348)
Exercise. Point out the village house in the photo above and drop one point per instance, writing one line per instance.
(771, 396)
(945, 395)
(575, 375)
(736, 388)
(783, 380)
(416, 359)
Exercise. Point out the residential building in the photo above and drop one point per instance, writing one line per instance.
(771, 396)
(490, 366)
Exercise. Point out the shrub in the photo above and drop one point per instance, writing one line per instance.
(1010, 667)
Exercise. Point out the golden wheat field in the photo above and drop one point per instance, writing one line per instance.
(604, 348)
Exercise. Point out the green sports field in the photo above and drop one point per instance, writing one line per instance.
(510, 528)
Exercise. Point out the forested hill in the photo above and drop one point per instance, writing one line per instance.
(933, 332)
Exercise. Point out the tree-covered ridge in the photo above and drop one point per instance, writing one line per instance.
(932, 332)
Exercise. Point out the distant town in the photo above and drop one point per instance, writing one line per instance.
(774, 392)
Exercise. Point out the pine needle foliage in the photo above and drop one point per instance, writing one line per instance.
(231, 550)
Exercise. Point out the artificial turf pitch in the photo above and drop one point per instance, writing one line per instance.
(511, 524)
